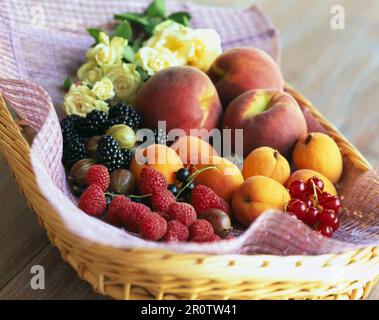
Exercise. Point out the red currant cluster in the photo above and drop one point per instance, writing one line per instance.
(315, 207)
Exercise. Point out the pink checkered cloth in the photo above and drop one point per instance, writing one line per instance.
(41, 42)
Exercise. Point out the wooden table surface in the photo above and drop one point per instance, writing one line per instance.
(337, 69)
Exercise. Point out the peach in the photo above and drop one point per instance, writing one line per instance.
(193, 150)
(184, 97)
(158, 156)
(268, 118)
(224, 179)
(256, 195)
(319, 152)
(305, 174)
(241, 69)
(267, 162)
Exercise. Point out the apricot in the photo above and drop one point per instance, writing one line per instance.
(158, 156)
(319, 152)
(266, 161)
(224, 179)
(193, 150)
(256, 195)
(305, 174)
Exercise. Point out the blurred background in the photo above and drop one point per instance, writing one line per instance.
(337, 69)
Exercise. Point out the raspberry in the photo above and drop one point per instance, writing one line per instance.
(214, 238)
(98, 175)
(118, 203)
(164, 215)
(161, 199)
(151, 179)
(204, 198)
(183, 212)
(153, 227)
(92, 201)
(132, 215)
(201, 230)
(176, 231)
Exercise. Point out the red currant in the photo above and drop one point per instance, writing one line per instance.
(308, 203)
(314, 182)
(327, 217)
(312, 216)
(323, 196)
(297, 207)
(332, 203)
(325, 230)
(297, 189)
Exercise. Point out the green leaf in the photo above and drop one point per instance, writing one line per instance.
(67, 83)
(94, 32)
(156, 9)
(143, 74)
(123, 30)
(133, 17)
(153, 22)
(129, 54)
(181, 17)
(137, 44)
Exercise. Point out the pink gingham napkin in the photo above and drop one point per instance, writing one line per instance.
(41, 42)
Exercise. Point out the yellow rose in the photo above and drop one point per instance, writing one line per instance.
(80, 100)
(103, 89)
(173, 36)
(90, 72)
(195, 47)
(153, 60)
(204, 49)
(126, 81)
(108, 52)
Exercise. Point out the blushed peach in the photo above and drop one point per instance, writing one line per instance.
(184, 97)
(241, 69)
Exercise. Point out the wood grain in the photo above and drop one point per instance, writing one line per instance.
(337, 69)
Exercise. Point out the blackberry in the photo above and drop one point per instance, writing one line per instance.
(73, 151)
(110, 153)
(127, 156)
(124, 114)
(95, 123)
(69, 127)
(160, 136)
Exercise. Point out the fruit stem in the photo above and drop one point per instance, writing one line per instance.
(193, 176)
(308, 139)
(139, 197)
(276, 154)
(315, 196)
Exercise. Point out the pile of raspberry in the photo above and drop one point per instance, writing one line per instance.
(314, 206)
(167, 219)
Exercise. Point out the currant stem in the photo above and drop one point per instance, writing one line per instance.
(315, 196)
(193, 176)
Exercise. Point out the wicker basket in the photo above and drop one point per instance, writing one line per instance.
(159, 274)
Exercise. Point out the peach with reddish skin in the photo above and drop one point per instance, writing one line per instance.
(184, 97)
(241, 69)
(268, 118)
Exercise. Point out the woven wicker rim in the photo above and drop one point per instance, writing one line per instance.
(162, 274)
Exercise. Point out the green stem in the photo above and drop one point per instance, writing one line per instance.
(315, 192)
(192, 177)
